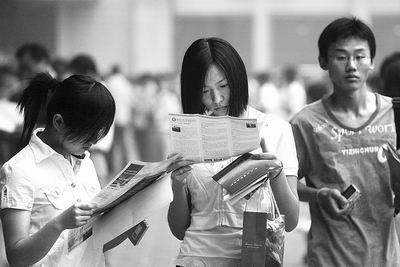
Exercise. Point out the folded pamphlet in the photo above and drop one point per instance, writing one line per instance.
(204, 138)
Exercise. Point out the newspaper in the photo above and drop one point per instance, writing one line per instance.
(204, 138)
(394, 166)
(135, 176)
(78, 235)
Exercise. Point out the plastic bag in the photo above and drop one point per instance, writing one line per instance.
(263, 230)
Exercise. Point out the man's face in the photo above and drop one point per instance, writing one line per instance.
(348, 63)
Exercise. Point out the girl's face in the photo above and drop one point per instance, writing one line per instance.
(216, 92)
(76, 147)
(65, 144)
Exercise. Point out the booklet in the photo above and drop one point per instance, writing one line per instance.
(394, 166)
(245, 174)
(204, 138)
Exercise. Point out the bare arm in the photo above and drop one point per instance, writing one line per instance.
(284, 188)
(179, 208)
(306, 193)
(23, 249)
(285, 193)
(330, 199)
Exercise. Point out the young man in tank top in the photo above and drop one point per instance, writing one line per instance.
(338, 141)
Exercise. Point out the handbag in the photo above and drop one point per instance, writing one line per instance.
(263, 236)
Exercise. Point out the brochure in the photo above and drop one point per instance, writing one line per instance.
(204, 138)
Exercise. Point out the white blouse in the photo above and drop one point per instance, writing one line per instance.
(40, 180)
(216, 225)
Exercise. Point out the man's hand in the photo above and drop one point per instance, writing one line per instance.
(332, 201)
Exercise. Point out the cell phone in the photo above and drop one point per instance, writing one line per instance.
(351, 193)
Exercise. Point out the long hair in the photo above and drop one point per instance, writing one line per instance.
(33, 102)
(198, 58)
(86, 105)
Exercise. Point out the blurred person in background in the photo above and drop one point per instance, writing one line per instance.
(317, 90)
(269, 96)
(292, 92)
(214, 82)
(85, 64)
(32, 58)
(338, 144)
(10, 118)
(390, 75)
(170, 99)
(60, 66)
(124, 146)
(374, 82)
(149, 139)
(254, 92)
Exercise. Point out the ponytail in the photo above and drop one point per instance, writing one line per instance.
(33, 103)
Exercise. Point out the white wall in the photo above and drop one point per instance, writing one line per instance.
(137, 34)
(99, 28)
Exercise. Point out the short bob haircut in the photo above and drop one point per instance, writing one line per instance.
(198, 58)
(342, 29)
(85, 104)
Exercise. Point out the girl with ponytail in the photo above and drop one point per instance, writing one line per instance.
(46, 187)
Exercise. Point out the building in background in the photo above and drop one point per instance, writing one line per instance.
(151, 35)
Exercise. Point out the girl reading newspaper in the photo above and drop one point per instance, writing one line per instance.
(214, 82)
(45, 188)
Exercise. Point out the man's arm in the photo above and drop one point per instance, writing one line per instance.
(329, 199)
(306, 194)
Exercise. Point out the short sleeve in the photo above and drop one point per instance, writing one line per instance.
(301, 148)
(286, 150)
(16, 191)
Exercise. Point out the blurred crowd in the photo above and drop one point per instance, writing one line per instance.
(142, 106)
(143, 102)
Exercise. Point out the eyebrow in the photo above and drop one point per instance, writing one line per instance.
(222, 80)
(344, 50)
